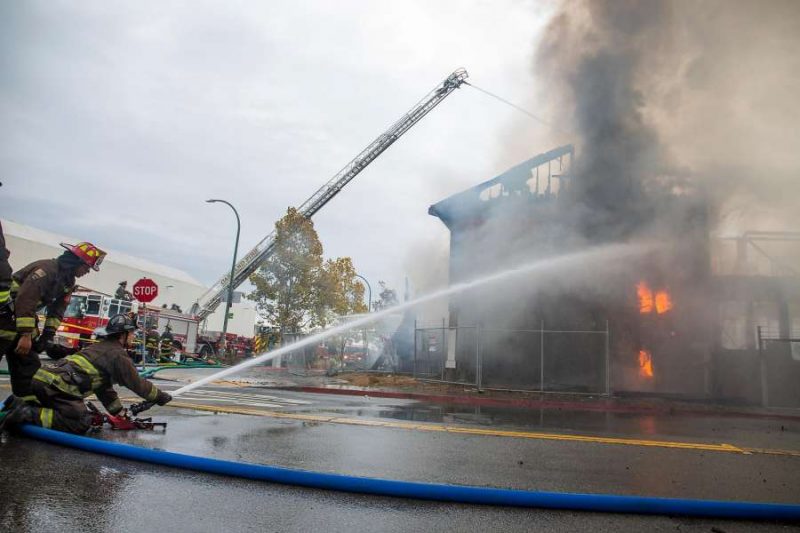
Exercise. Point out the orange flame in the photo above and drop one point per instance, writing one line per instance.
(661, 301)
(645, 364)
(645, 298)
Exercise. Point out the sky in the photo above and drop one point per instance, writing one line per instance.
(119, 119)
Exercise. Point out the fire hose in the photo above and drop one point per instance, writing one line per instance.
(425, 491)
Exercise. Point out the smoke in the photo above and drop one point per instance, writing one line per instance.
(684, 119)
(670, 97)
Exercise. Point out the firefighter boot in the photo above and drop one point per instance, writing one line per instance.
(17, 412)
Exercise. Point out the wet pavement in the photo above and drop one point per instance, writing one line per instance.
(48, 488)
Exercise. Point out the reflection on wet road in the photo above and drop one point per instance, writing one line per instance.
(50, 488)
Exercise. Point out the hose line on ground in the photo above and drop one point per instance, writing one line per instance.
(425, 491)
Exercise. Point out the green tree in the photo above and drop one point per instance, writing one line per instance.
(294, 289)
(287, 285)
(344, 293)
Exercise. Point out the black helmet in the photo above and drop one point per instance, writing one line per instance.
(119, 324)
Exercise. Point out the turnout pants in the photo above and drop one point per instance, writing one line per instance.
(60, 411)
(21, 368)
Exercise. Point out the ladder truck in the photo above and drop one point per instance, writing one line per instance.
(209, 301)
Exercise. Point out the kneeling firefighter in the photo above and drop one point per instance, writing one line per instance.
(60, 389)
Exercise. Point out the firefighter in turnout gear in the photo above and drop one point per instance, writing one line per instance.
(122, 292)
(60, 389)
(166, 345)
(151, 343)
(5, 274)
(42, 284)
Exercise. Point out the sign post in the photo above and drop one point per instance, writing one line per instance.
(145, 290)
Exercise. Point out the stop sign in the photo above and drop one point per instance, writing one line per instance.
(145, 290)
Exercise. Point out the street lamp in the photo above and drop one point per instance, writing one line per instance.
(369, 292)
(233, 269)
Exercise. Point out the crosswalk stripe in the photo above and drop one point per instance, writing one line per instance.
(230, 400)
(246, 396)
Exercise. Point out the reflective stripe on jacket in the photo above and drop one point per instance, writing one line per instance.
(96, 369)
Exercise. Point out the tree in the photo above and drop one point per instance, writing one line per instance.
(344, 293)
(387, 297)
(294, 289)
(287, 285)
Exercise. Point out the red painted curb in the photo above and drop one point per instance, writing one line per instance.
(608, 406)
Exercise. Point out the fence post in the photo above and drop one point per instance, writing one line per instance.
(443, 350)
(415, 349)
(478, 357)
(541, 357)
(608, 362)
(763, 370)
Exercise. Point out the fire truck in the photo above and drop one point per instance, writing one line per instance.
(89, 309)
(86, 311)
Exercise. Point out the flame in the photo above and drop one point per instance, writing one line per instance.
(663, 302)
(660, 301)
(645, 364)
(645, 298)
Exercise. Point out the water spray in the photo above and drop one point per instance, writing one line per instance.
(553, 264)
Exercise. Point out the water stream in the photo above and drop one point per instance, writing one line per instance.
(589, 258)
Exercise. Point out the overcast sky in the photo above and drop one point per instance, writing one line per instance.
(118, 119)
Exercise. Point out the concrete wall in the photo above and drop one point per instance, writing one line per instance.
(29, 244)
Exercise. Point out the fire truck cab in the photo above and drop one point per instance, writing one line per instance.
(87, 310)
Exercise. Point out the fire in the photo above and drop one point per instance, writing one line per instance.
(661, 301)
(645, 364)
(645, 298)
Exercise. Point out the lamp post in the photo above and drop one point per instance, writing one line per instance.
(233, 269)
(369, 292)
(369, 309)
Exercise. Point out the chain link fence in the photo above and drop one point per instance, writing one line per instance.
(533, 359)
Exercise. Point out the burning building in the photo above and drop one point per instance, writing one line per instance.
(675, 146)
(666, 314)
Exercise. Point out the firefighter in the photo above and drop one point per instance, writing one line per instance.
(122, 292)
(42, 284)
(166, 345)
(60, 389)
(151, 343)
(5, 273)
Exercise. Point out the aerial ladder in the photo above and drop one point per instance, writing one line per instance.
(209, 301)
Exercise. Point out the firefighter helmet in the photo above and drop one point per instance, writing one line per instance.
(86, 252)
(117, 324)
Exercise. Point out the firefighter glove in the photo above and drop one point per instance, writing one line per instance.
(48, 334)
(40, 344)
(163, 398)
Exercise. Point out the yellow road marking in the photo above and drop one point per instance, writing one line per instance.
(462, 430)
(727, 448)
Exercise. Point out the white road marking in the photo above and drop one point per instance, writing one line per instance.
(253, 400)
(250, 396)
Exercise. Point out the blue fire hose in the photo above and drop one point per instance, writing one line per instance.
(425, 491)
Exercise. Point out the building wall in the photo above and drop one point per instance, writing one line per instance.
(28, 244)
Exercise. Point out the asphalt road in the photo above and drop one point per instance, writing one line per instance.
(48, 488)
